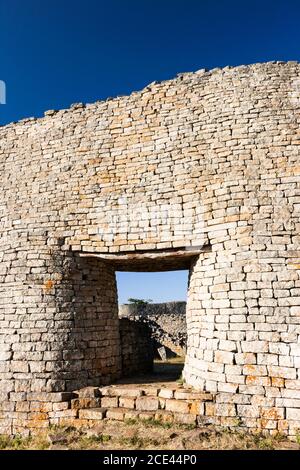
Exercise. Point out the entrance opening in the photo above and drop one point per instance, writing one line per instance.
(141, 338)
(153, 332)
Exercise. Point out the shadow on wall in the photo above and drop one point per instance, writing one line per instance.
(137, 351)
(166, 324)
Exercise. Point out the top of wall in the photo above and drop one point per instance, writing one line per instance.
(153, 86)
(178, 165)
(153, 309)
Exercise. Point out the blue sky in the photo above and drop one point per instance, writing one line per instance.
(57, 52)
(159, 287)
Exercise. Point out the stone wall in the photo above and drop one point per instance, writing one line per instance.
(201, 171)
(137, 352)
(166, 321)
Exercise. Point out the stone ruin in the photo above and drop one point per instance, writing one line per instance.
(166, 324)
(201, 172)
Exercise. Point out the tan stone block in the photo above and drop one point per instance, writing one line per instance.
(166, 393)
(282, 372)
(277, 382)
(82, 403)
(151, 391)
(210, 409)
(254, 380)
(245, 358)
(93, 413)
(60, 406)
(131, 414)
(178, 406)
(127, 402)
(272, 413)
(147, 404)
(248, 411)
(116, 413)
(88, 392)
(196, 407)
(109, 402)
(125, 392)
(222, 409)
(224, 357)
(251, 369)
(184, 418)
(187, 395)
(42, 407)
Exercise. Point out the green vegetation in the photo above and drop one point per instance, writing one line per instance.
(139, 301)
(19, 442)
(146, 434)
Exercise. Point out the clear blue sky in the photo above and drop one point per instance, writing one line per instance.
(57, 52)
(159, 287)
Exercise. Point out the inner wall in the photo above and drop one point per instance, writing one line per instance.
(88, 336)
(145, 328)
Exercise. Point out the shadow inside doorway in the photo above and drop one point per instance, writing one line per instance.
(169, 370)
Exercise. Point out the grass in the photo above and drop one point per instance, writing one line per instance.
(146, 434)
(90, 442)
(151, 422)
(19, 442)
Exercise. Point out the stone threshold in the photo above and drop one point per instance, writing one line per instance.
(122, 402)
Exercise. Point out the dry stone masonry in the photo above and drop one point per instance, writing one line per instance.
(166, 322)
(137, 351)
(202, 171)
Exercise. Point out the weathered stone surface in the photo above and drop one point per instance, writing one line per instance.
(117, 413)
(187, 395)
(131, 414)
(109, 402)
(136, 345)
(293, 414)
(93, 413)
(147, 404)
(179, 406)
(202, 173)
(127, 402)
(166, 324)
(166, 393)
(222, 409)
(250, 411)
(80, 403)
(184, 418)
(88, 392)
(125, 392)
(164, 416)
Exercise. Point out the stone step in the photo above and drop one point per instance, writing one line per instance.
(93, 413)
(136, 392)
(121, 402)
(142, 403)
(188, 395)
(115, 391)
(121, 414)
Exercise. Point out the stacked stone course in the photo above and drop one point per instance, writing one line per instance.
(137, 352)
(166, 322)
(221, 145)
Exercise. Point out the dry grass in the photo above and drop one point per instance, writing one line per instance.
(151, 434)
